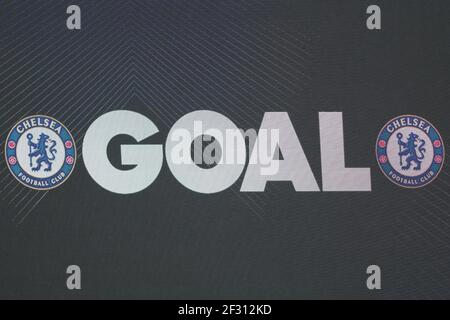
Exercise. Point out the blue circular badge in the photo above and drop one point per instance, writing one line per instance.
(410, 151)
(40, 152)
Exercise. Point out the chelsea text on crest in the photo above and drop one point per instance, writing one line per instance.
(38, 122)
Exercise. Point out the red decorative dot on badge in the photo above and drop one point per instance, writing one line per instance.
(438, 159)
(382, 144)
(437, 143)
(69, 160)
(12, 160)
(11, 144)
(382, 159)
(68, 144)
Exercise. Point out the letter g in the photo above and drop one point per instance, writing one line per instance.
(147, 158)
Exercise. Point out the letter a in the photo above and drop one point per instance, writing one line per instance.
(374, 280)
(294, 167)
(74, 280)
(74, 20)
(374, 20)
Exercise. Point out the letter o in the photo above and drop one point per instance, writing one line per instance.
(201, 180)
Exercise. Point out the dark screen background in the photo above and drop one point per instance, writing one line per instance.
(241, 58)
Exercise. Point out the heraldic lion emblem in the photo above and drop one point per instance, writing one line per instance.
(45, 153)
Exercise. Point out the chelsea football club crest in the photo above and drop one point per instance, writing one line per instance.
(40, 152)
(410, 151)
